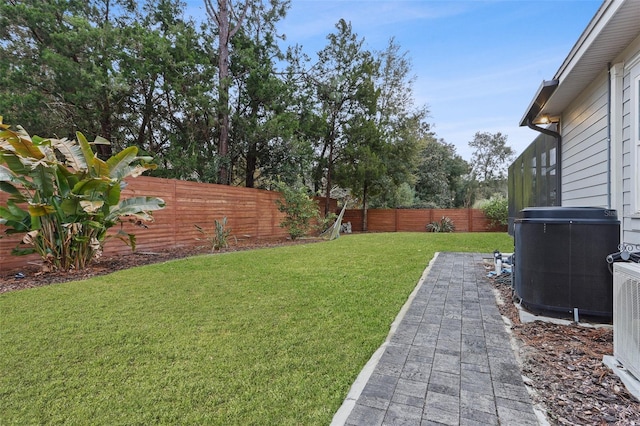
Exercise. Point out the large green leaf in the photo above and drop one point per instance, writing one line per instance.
(73, 154)
(6, 175)
(71, 206)
(22, 251)
(44, 182)
(13, 162)
(12, 212)
(99, 168)
(96, 167)
(120, 163)
(21, 144)
(91, 188)
(16, 195)
(113, 196)
(89, 156)
(62, 181)
(15, 226)
(136, 206)
(41, 209)
(99, 140)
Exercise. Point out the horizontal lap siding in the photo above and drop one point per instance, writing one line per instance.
(585, 148)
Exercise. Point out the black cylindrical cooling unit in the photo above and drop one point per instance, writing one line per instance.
(560, 259)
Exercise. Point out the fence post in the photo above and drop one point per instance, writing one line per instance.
(470, 219)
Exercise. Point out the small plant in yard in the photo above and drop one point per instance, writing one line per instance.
(298, 207)
(326, 222)
(443, 225)
(63, 198)
(218, 239)
(496, 209)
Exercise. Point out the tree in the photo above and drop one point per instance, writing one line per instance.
(263, 120)
(381, 139)
(72, 44)
(299, 209)
(401, 126)
(362, 160)
(440, 175)
(491, 156)
(490, 160)
(166, 112)
(134, 73)
(228, 22)
(343, 83)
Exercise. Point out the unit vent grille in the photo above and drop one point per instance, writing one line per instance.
(626, 316)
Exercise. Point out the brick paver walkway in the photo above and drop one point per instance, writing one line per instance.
(449, 362)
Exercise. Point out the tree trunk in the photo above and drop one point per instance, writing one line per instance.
(223, 19)
(223, 101)
(327, 199)
(365, 225)
(252, 163)
(105, 151)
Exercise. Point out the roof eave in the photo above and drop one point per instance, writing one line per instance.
(612, 28)
(539, 100)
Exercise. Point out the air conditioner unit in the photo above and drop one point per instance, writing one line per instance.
(626, 316)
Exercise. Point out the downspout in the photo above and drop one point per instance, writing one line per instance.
(558, 138)
(609, 135)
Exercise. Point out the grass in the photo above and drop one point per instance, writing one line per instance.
(271, 336)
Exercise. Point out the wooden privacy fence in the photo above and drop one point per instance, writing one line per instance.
(251, 214)
(416, 220)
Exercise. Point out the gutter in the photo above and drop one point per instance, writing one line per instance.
(546, 90)
(558, 137)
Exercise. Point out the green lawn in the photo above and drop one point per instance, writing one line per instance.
(271, 336)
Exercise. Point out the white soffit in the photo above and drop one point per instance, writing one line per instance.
(614, 27)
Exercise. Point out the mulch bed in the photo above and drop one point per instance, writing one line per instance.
(31, 276)
(563, 367)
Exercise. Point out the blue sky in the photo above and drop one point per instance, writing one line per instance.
(477, 63)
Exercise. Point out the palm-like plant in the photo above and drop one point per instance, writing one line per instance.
(63, 198)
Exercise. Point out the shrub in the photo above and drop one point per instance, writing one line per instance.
(64, 199)
(496, 209)
(443, 225)
(219, 238)
(298, 207)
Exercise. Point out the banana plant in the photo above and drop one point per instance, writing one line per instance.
(63, 198)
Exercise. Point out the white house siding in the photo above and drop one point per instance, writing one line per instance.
(585, 148)
(629, 218)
